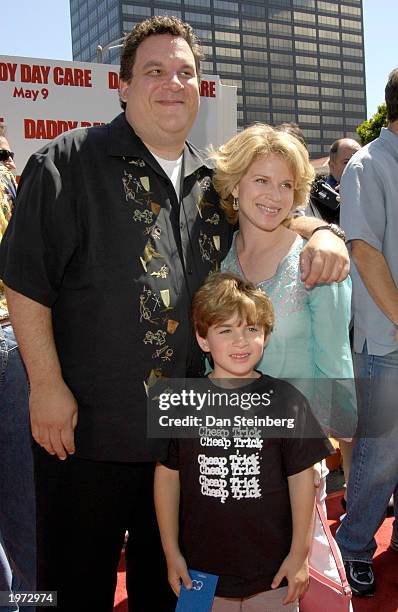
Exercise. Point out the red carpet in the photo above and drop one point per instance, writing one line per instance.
(120, 604)
(385, 566)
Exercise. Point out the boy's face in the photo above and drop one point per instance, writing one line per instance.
(235, 346)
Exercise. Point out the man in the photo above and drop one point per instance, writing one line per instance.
(340, 154)
(125, 227)
(17, 507)
(6, 155)
(370, 218)
(325, 203)
(7, 161)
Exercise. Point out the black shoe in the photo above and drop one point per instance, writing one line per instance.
(360, 577)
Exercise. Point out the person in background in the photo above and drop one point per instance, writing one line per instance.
(370, 217)
(294, 129)
(17, 505)
(7, 161)
(324, 202)
(340, 154)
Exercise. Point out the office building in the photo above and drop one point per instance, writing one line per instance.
(292, 60)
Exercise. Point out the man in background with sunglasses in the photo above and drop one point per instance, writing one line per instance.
(6, 155)
(17, 507)
(7, 161)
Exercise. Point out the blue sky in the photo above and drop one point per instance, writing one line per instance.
(41, 28)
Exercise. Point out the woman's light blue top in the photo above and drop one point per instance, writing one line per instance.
(311, 333)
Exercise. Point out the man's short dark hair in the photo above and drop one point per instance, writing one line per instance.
(154, 26)
(391, 95)
(292, 128)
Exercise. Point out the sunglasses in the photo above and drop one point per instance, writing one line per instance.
(6, 154)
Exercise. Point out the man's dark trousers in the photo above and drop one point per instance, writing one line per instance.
(79, 542)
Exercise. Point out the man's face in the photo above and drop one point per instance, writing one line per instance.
(9, 163)
(345, 151)
(266, 193)
(162, 95)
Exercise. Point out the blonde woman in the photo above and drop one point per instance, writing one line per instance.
(262, 175)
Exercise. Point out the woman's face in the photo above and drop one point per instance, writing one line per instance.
(266, 193)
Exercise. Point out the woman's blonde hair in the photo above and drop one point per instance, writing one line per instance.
(234, 159)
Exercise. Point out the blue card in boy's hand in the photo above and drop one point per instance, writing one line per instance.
(200, 597)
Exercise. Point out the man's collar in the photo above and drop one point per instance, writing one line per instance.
(393, 127)
(124, 142)
(195, 159)
(390, 137)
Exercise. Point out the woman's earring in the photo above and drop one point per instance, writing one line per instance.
(235, 205)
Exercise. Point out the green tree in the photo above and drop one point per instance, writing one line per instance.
(370, 128)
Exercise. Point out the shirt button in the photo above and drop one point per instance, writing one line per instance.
(182, 225)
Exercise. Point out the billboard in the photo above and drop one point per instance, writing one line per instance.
(40, 99)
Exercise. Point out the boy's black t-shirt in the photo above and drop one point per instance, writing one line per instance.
(235, 516)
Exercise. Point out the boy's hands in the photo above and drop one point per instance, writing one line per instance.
(296, 572)
(177, 572)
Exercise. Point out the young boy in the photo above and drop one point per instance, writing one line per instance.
(246, 511)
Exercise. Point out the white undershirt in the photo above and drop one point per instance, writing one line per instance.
(172, 168)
